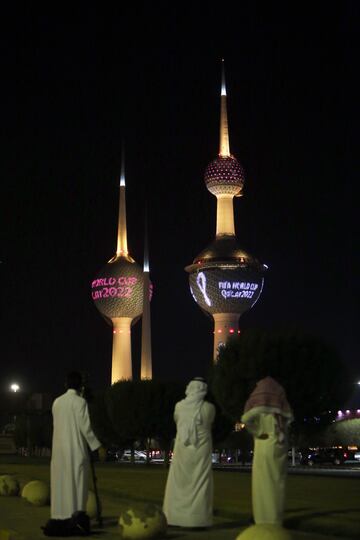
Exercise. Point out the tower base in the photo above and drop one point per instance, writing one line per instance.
(121, 352)
(225, 325)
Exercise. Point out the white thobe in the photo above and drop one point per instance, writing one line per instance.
(188, 500)
(70, 456)
(269, 470)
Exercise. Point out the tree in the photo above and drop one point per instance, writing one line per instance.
(132, 411)
(140, 411)
(170, 394)
(312, 373)
(344, 432)
(100, 421)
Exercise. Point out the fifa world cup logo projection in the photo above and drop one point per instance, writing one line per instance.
(118, 293)
(225, 281)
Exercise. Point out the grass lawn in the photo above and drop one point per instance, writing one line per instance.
(323, 505)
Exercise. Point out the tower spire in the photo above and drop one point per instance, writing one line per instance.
(122, 249)
(146, 267)
(224, 150)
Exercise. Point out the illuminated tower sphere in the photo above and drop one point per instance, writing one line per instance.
(117, 292)
(225, 280)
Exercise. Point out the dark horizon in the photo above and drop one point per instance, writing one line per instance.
(76, 86)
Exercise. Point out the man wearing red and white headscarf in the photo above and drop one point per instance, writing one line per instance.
(188, 500)
(267, 416)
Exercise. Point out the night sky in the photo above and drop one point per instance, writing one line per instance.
(76, 84)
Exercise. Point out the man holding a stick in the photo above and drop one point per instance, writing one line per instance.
(70, 463)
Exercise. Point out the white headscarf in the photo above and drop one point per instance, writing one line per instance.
(189, 415)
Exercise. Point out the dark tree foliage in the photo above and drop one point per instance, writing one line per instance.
(170, 394)
(132, 411)
(223, 424)
(239, 440)
(314, 376)
(101, 422)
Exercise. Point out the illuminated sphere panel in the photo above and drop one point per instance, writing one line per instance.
(117, 290)
(224, 175)
(224, 290)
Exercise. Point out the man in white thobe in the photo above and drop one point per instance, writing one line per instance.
(70, 462)
(188, 500)
(267, 416)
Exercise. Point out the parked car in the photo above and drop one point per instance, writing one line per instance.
(334, 456)
(139, 455)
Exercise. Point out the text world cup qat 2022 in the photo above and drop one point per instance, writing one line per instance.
(113, 287)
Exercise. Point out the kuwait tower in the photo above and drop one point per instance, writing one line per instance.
(225, 280)
(117, 292)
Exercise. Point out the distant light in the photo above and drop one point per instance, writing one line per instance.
(358, 411)
(14, 387)
(238, 331)
(231, 330)
(339, 413)
(219, 331)
(223, 86)
(122, 180)
(265, 266)
(347, 411)
(146, 266)
(358, 382)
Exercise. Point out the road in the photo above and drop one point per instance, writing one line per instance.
(350, 469)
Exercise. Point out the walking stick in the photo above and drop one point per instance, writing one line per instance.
(94, 479)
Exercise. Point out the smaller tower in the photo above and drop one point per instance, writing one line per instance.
(117, 292)
(146, 361)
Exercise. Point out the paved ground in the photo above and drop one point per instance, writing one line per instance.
(26, 521)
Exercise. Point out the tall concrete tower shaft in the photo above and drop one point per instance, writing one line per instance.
(146, 359)
(121, 366)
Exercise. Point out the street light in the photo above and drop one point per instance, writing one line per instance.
(14, 387)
